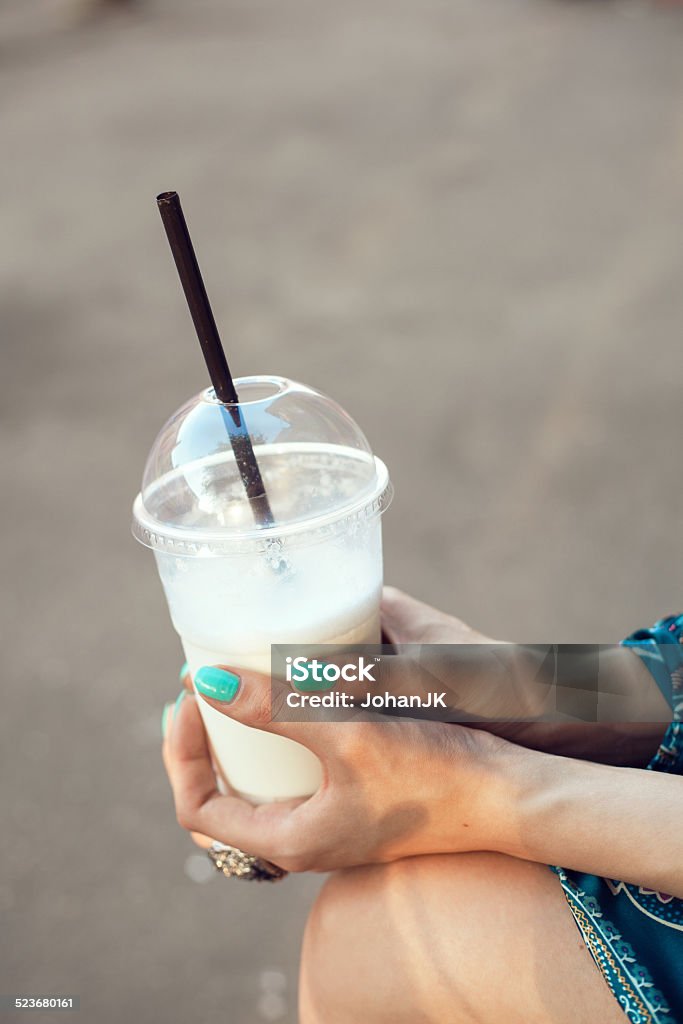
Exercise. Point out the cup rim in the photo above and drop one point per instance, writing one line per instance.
(207, 543)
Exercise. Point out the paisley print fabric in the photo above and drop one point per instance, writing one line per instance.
(634, 934)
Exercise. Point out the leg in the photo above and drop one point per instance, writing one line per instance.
(451, 939)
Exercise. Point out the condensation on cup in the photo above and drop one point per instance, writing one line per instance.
(234, 588)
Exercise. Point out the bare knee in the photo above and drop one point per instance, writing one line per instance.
(460, 938)
(345, 934)
(373, 952)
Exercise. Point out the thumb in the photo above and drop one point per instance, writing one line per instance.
(408, 621)
(403, 618)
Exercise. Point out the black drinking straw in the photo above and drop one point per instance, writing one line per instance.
(214, 356)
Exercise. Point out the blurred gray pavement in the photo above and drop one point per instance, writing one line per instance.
(461, 219)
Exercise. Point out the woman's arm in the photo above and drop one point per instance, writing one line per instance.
(632, 716)
(631, 713)
(400, 788)
(623, 823)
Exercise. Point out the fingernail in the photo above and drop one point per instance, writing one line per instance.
(183, 671)
(164, 719)
(311, 683)
(217, 683)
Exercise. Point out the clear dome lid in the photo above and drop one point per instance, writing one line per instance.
(315, 462)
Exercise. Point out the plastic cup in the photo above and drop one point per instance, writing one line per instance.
(234, 587)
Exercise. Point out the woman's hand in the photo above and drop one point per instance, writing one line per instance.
(511, 695)
(391, 788)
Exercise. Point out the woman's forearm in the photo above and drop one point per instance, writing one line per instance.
(622, 823)
(630, 713)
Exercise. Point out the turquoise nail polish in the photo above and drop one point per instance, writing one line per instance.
(311, 684)
(183, 671)
(164, 719)
(217, 683)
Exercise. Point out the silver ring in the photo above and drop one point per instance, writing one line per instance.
(233, 863)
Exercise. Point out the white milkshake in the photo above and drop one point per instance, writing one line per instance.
(233, 589)
(259, 765)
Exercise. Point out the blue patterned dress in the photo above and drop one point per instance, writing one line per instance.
(634, 934)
